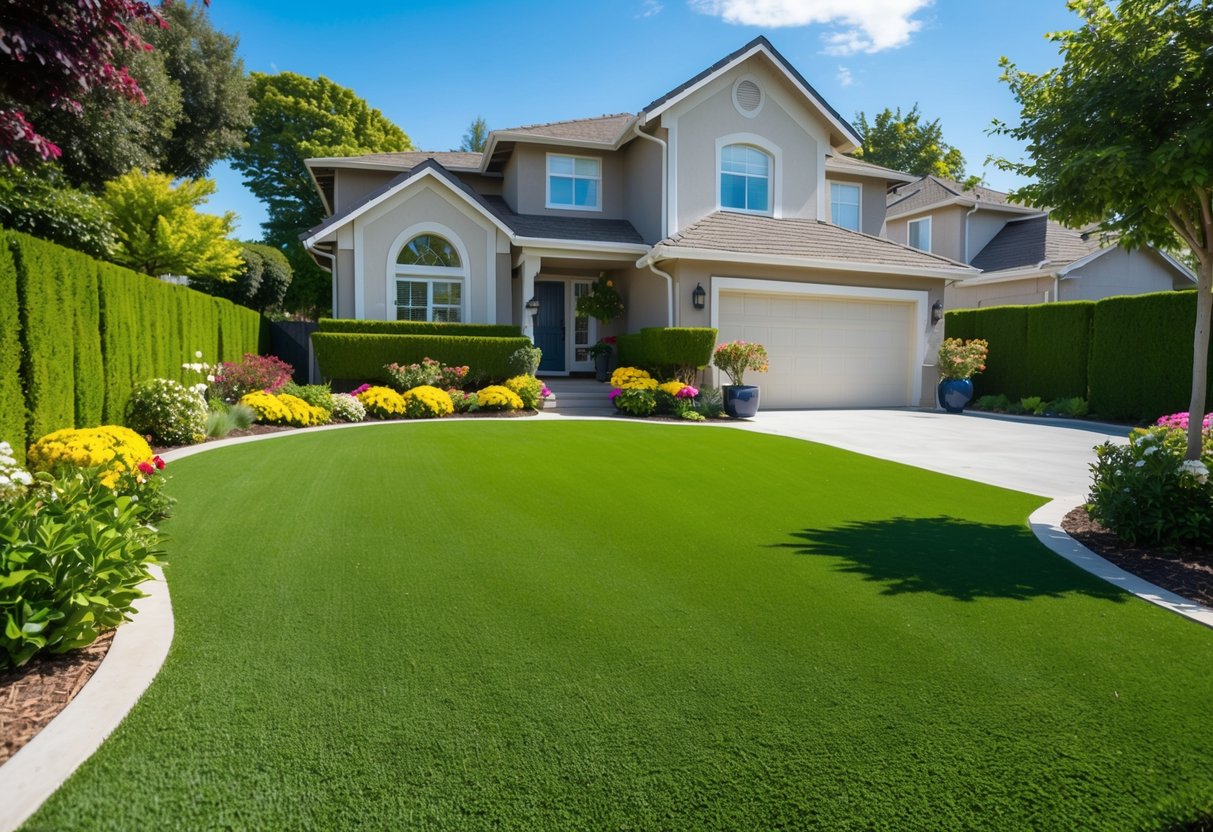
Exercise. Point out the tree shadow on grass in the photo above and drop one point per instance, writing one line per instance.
(949, 557)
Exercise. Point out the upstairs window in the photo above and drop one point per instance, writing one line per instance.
(429, 280)
(844, 205)
(920, 234)
(745, 179)
(574, 182)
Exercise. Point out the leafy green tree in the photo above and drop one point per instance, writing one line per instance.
(907, 143)
(158, 229)
(260, 283)
(1122, 134)
(476, 137)
(296, 118)
(36, 199)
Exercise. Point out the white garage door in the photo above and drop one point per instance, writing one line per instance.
(825, 351)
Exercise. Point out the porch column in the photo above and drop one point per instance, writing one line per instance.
(530, 269)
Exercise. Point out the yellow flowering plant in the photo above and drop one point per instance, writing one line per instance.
(113, 450)
(632, 378)
(283, 409)
(528, 388)
(426, 402)
(382, 402)
(497, 397)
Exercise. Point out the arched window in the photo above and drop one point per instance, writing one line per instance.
(745, 179)
(429, 280)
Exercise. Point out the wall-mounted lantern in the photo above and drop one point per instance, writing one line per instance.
(936, 312)
(699, 296)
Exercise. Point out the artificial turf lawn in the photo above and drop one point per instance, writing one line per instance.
(537, 625)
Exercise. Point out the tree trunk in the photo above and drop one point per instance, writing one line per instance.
(1200, 359)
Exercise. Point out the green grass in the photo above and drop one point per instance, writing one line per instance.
(531, 625)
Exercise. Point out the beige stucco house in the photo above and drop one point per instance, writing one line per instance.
(1024, 256)
(734, 181)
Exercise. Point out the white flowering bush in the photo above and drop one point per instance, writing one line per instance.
(1149, 494)
(167, 411)
(206, 371)
(346, 408)
(13, 478)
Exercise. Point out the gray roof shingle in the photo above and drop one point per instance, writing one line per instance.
(606, 130)
(1030, 242)
(933, 189)
(794, 237)
(849, 164)
(449, 159)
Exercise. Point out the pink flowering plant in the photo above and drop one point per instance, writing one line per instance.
(960, 359)
(249, 375)
(1180, 421)
(736, 357)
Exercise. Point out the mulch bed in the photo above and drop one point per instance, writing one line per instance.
(1186, 571)
(33, 695)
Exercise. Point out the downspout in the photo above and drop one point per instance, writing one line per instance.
(665, 197)
(332, 258)
(648, 261)
(968, 214)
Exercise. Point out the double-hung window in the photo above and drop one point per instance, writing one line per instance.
(574, 182)
(920, 234)
(429, 281)
(844, 205)
(745, 179)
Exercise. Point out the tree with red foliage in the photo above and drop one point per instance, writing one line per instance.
(53, 53)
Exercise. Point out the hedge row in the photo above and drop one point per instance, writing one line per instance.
(417, 328)
(1129, 357)
(361, 357)
(76, 335)
(667, 347)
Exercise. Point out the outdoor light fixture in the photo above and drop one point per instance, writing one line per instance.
(936, 312)
(532, 305)
(699, 296)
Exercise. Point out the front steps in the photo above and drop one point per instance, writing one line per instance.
(578, 396)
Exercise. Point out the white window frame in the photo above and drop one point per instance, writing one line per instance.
(909, 237)
(428, 274)
(858, 202)
(774, 174)
(547, 182)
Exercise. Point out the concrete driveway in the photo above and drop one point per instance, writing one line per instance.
(1049, 457)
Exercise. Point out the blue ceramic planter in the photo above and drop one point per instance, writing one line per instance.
(741, 400)
(954, 394)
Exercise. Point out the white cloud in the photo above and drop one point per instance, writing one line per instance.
(860, 25)
(651, 7)
(844, 77)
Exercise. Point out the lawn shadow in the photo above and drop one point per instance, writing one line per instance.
(950, 557)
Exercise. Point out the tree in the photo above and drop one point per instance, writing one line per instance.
(158, 230)
(296, 118)
(909, 144)
(52, 53)
(476, 137)
(1122, 135)
(37, 200)
(260, 283)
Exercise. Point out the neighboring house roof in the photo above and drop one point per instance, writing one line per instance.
(858, 167)
(606, 130)
(407, 160)
(1033, 242)
(726, 235)
(521, 228)
(759, 45)
(934, 191)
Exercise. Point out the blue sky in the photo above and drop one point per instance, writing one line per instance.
(432, 67)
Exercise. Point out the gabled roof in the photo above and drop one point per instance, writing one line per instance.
(520, 228)
(759, 46)
(407, 160)
(726, 235)
(842, 163)
(1033, 242)
(934, 191)
(605, 130)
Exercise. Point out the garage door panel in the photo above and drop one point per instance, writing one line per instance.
(825, 352)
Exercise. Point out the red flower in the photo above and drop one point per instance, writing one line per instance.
(159, 463)
(610, 339)
(146, 468)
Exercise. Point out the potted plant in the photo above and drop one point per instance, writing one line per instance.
(958, 362)
(603, 303)
(734, 358)
(601, 354)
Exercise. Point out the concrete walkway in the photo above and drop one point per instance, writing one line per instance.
(1049, 457)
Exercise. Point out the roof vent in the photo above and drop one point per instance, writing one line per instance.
(747, 97)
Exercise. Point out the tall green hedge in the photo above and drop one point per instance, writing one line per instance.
(77, 334)
(417, 328)
(361, 357)
(1058, 346)
(678, 346)
(1141, 356)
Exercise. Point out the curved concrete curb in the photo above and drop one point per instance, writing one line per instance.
(42, 765)
(1046, 525)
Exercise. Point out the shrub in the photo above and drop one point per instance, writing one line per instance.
(674, 397)
(961, 359)
(636, 402)
(13, 478)
(426, 402)
(1072, 407)
(111, 449)
(735, 357)
(709, 403)
(463, 401)
(168, 412)
(679, 350)
(528, 389)
(284, 409)
(75, 553)
(317, 395)
(1057, 347)
(1033, 404)
(364, 356)
(525, 360)
(632, 378)
(38, 201)
(496, 397)
(382, 402)
(1181, 421)
(428, 372)
(252, 374)
(1005, 329)
(1147, 493)
(996, 403)
(346, 408)
(349, 325)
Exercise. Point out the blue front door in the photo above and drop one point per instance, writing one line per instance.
(549, 325)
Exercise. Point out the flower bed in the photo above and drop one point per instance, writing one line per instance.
(636, 393)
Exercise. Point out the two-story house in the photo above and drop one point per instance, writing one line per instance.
(726, 202)
(1024, 256)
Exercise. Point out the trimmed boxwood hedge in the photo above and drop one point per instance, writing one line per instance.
(631, 351)
(76, 335)
(361, 357)
(678, 346)
(417, 328)
(1058, 346)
